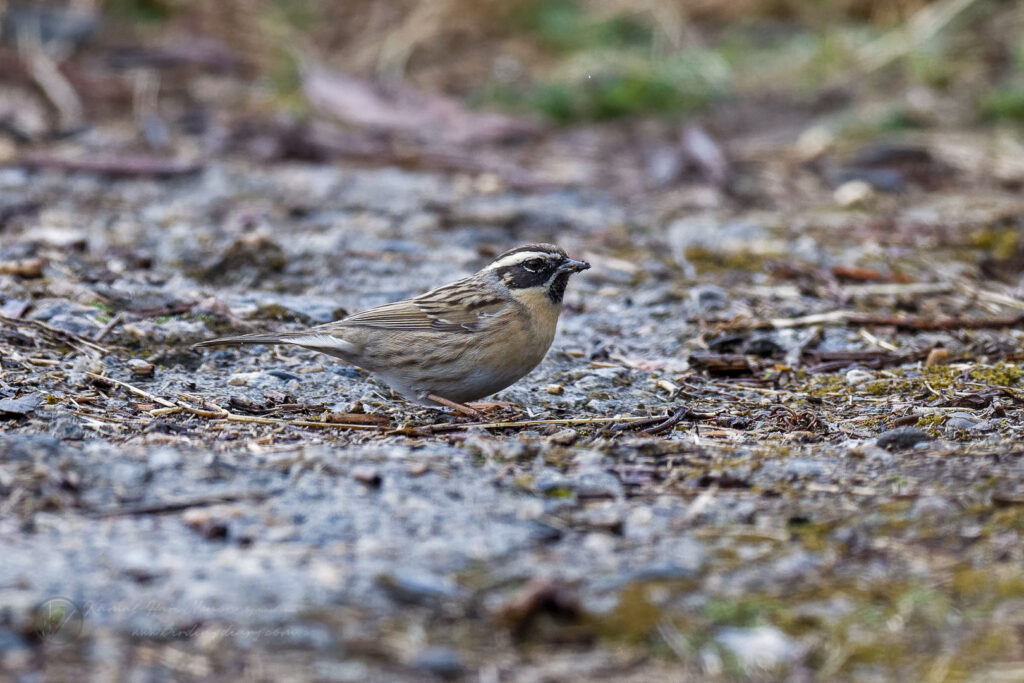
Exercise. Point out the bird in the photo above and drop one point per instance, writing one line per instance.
(455, 344)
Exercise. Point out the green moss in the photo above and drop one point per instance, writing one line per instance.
(813, 535)
(633, 620)
(1003, 374)
(745, 611)
(144, 11)
(878, 388)
(1003, 104)
(999, 242)
(988, 584)
(564, 25)
(932, 422)
(635, 617)
(619, 83)
(1007, 518)
(708, 260)
(524, 482)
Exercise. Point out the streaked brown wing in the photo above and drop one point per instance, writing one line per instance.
(458, 307)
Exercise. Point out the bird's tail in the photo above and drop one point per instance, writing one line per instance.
(311, 339)
(257, 338)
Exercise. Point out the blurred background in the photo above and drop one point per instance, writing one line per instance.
(805, 222)
(422, 83)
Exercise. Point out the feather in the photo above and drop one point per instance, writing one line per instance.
(462, 306)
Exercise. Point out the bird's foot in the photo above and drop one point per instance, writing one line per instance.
(459, 407)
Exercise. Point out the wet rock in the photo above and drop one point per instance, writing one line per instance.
(857, 376)
(68, 316)
(874, 453)
(164, 458)
(804, 467)
(439, 661)
(594, 483)
(19, 406)
(15, 652)
(902, 438)
(759, 648)
(174, 330)
(967, 422)
(543, 533)
(935, 508)
(67, 427)
(129, 476)
(28, 447)
(550, 480)
(600, 378)
(245, 261)
(707, 298)
(417, 586)
(283, 375)
(14, 308)
(564, 437)
(608, 519)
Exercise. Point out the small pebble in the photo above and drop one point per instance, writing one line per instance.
(207, 524)
(814, 142)
(564, 437)
(665, 385)
(439, 661)
(902, 437)
(140, 367)
(853, 193)
(857, 376)
(368, 476)
(417, 469)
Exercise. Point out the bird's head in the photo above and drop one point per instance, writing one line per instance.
(536, 268)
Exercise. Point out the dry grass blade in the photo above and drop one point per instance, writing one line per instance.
(76, 341)
(456, 426)
(133, 389)
(220, 413)
(165, 507)
(852, 318)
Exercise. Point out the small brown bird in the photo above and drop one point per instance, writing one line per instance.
(457, 343)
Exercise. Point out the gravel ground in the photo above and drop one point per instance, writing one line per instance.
(841, 495)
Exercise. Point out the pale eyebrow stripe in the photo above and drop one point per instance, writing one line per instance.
(514, 259)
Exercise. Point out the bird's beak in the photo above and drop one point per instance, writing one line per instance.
(572, 266)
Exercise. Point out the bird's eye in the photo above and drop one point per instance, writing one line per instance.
(533, 265)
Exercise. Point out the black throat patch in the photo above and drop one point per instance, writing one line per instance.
(557, 289)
